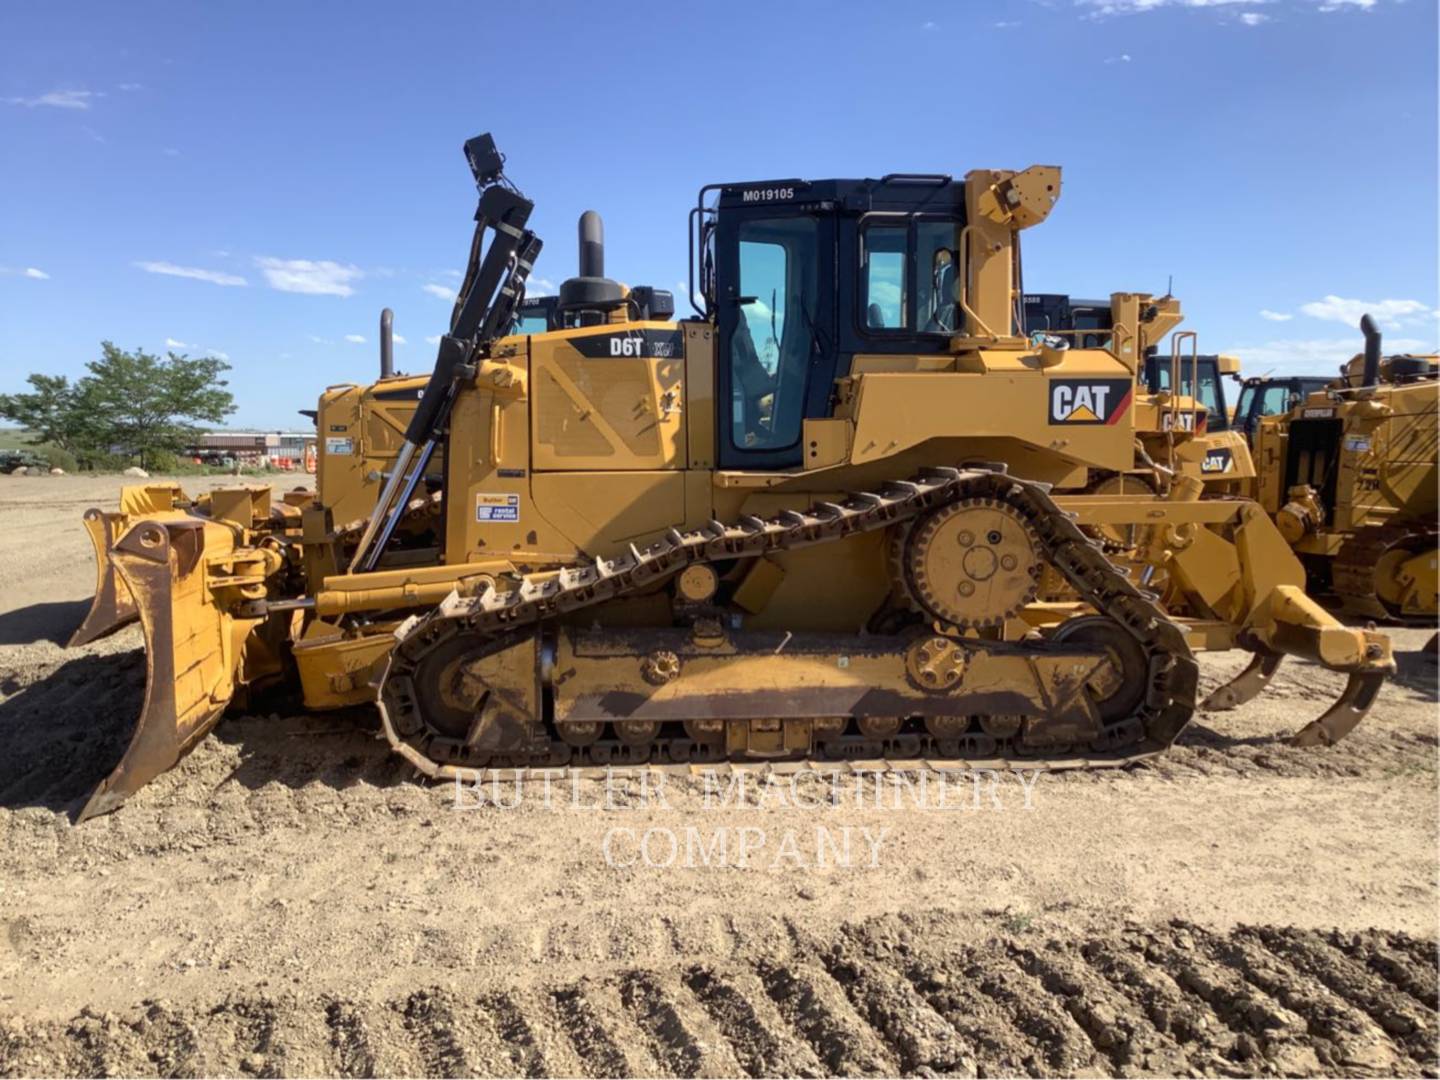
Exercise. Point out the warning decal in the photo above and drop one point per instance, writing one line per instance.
(342, 447)
(503, 507)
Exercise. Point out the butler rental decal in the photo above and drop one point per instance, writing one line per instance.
(1089, 401)
(501, 507)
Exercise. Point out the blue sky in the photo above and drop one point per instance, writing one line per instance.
(259, 179)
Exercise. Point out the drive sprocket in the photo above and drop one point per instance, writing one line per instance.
(972, 564)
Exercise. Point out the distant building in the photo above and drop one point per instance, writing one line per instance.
(275, 449)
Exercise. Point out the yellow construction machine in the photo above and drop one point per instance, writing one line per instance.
(1183, 420)
(810, 521)
(1350, 475)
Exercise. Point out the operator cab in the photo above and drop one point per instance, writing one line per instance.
(800, 277)
(1207, 373)
(1048, 313)
(1260, 397)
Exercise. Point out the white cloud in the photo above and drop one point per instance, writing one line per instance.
(433, 339)
(399, 339)
(444, 292)
(1275, 316)
(320, 277)
(539, 286)
(1100, 9)
(1006, 24)
(214, 277)
(38, 275)
(1123, 58)
(217, 354)
(171, 343)
(681, 287)
(1392, 313)
(355, 339)
(1312, 356)
(928, 24)
(320, 340)
(56, 99)
(129, 86)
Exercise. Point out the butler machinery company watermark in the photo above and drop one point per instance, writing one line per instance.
(745, 839)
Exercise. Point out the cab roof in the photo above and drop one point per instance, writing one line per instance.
(912, 192)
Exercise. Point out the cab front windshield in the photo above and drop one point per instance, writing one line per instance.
(1209, 395)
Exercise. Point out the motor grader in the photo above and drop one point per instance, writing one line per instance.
(808, 522)
(1350, 475)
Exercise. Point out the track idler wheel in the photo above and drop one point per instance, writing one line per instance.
(1118, 689)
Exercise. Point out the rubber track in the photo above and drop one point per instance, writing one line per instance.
(875, 998)
(495, 619)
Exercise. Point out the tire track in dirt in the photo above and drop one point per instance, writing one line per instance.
(1394, 1012)
(871, 999)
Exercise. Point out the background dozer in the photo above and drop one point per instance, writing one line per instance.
(810, 521)
(1350, 474)
(1185, 422)
(1271, 395)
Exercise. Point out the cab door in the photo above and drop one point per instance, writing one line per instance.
(775, 364)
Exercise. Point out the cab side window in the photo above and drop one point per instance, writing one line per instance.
(1277, 399)
(936, 295)
(908, 279)
(882, 254)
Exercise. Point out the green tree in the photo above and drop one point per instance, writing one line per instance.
(137, 404)
(52, 414)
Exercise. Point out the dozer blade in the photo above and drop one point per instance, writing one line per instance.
(113, 605)
(190, 647)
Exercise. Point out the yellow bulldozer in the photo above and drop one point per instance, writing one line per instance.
(1183, 419)
(810, 521)
(1350, 475)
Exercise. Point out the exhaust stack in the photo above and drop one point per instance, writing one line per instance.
(387, 343)
(592, 245)
(588, 298)
(1371, 376)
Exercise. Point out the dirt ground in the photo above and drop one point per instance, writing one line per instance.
(291, 901)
